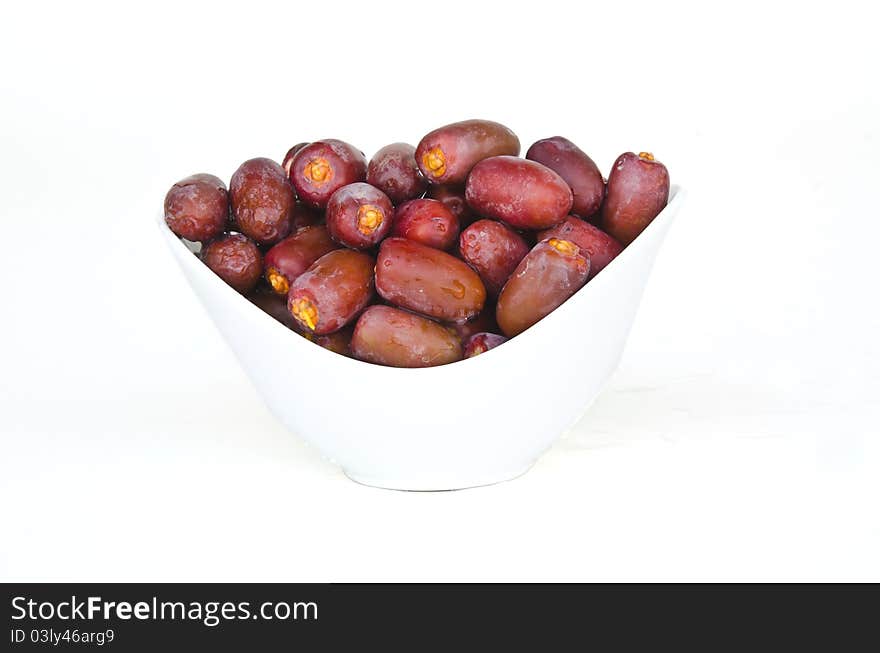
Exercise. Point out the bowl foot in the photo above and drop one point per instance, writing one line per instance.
(441, 483)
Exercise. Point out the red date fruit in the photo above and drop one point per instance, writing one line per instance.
(262, 200)
(446, 155)
(600, 247)
(577, 169)
(638, 189)
(338, 342)
(235, 259)
(551, 273)
(359, 215)
(393, 170)
(453, 199)
(293, 256)
(288, 158)
(321, 168)
(493, 250)
(480, 343)
(196, 208)
(522, 193)
(332, 291)
(426, 221)
(428, 281)
(483, 321)
(273, 304)
(304, 216)
(390, 336)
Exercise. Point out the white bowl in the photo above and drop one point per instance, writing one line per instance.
(479, 421)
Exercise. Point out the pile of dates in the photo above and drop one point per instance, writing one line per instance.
(422, 255)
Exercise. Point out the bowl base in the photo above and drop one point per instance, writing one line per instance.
(439, 484)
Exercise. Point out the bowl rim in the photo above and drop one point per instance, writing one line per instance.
(677, 195)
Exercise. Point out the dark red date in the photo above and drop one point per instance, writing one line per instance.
(577, 169)
(393, 170)
(332, 291)
(600, 247)
(522, 193)
(638, 189)
(293, 256)
(262, 201)
(493, 250)
(480, 343)
(359, 215)
(453, 199)
(390, 336)
(235, 259)
(551, 273)
(426, 221)
(446, 155)
(321, 168)
(428, 281)
(196, 208)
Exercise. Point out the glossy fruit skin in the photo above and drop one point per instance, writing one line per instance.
(359, 215)
(638, 189)
(549, 274)
(601, 248)
(484, 321)
(273, 304)
(294, 255)
(390, 336)
(447, 155)
(236, 259)
(393, 170)
(577, 169)
(428, 281)
(304, 215)
(480, 343)
(426, 221)
(493, 250)
(197, 207)
(287, 161)
(321, 168)
(453, 199)
(332, 291)
(262, 200)
(522, 193)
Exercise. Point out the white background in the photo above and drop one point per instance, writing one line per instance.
(738, 440)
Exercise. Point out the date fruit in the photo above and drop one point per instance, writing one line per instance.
(288, 158)
(235, 259)
(331, 293)
(522, 193)
(321, 168)
(428, 281)
(359, 215)
(304, 215)
(549, 274)
(196, 208)
(293, 256)
(493, 250)
(638, 189)
(446, 155)
(577, 169)
(426, 221)
(482, 322)
(453, 199)
(480, 343)
(600, 247)
(393, 170)
(390, 336)
(262, 200)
